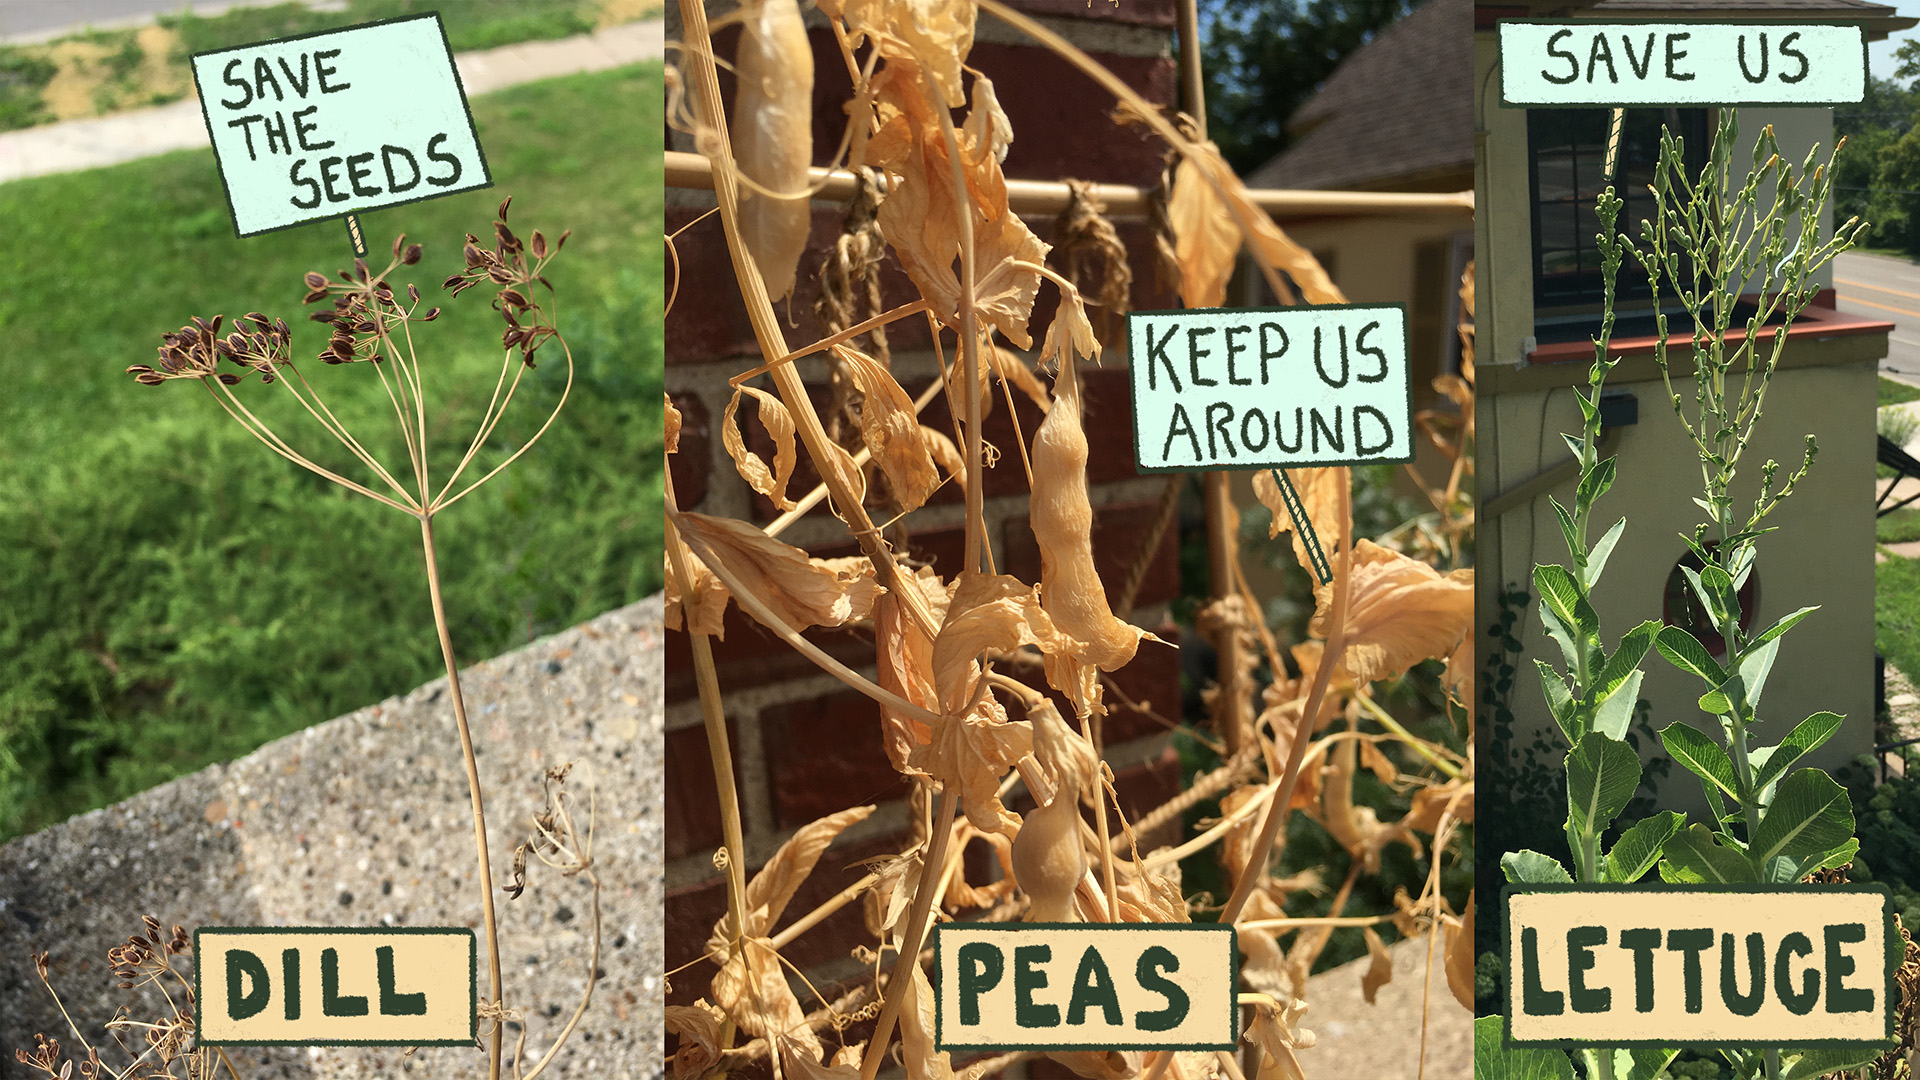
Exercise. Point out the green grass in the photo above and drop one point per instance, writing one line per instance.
(1899, 527)
(1896, 393)
(175, 594)
(471, 24)
(1896, 612)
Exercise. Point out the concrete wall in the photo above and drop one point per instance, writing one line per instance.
(363, 821)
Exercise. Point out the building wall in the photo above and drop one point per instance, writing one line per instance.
(1822, 553)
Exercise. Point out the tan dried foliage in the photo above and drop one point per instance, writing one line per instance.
(1379, 965)
(801, 590)
(891, 429)
(935, 34)
(974, 750)
(771, 482)
(1321, 492)
(751, 987)
(1401, 612)
(1460, 957)
(921, 216)
(1206, 240)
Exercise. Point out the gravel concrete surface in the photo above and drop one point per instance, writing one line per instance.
(363, 821)
(1382, 1041)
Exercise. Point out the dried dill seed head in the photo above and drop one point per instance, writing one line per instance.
(364, 306)
(256, 344)
(506, 265)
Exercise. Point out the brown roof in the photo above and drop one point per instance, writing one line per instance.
(1879, 19)
(1395, 115)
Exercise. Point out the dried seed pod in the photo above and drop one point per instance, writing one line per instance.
(1070, 585)
(1049, 859)
(773, 137)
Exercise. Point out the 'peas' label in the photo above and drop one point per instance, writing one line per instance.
(1085, 986)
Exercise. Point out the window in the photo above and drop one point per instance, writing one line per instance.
(1569, 168)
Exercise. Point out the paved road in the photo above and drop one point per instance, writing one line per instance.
(24, 21)
(1885, 288)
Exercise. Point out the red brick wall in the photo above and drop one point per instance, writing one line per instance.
(804, 745)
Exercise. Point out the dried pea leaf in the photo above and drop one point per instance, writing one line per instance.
(1205, 239)
(1278, 1034)
(1379, 969)
(772, 137)
(903, 661)
(987, 124)
(917, 1032)
(1070, 329)
(804, 1065)
(891, 429)
(1401, 611)
(937, 34)
(974, 750)
(698, 1026)
(988, 611)
(752, 988)
(921, 214)
(1460, 956)
(801, 590)
(709, 605)
(779, 424)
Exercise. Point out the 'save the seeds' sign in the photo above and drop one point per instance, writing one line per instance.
(335, 986)
(1782, 965)
(330, 124)
(1249, 388)
(1055, 986)
(1627, 64)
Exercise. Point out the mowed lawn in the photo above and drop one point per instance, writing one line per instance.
(172, 593)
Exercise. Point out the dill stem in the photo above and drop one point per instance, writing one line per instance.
(473, 785)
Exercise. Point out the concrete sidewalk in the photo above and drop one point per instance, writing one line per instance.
(128, 136)
(362, 821)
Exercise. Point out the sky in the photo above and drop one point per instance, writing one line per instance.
(1880, 54)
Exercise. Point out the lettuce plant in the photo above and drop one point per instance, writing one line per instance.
(1714, 238)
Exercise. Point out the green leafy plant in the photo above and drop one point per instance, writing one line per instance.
(1712, 243)
(1593, 699)
(1712, 240)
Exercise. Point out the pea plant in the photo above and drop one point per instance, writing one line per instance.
(927, 149)
(1713, 239)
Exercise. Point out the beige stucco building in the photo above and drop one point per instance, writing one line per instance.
(1535, 179)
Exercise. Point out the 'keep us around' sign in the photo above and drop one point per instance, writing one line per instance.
(1672, 63)
(1253, 388)
(326, 125)
(1085, 986)
(1788, 966)
(336, 986)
